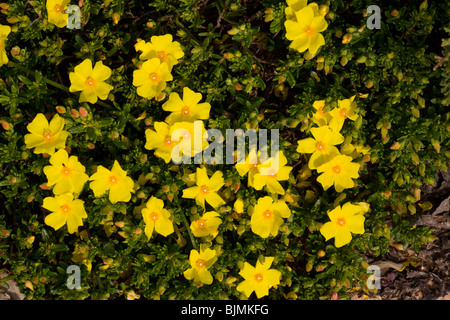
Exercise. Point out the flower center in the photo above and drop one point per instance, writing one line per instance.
(154, 77)
(204, 190)
(259, 277)
(337, 169)
(320, 146)
(113, 179)
(186, 135)
(65, 171)
(273, 173)
(201, 223)
(309, 30)
(167, 141)
(267, 214)
(185, 111)
(340, 222)
(162, 55)
(48, 136)
(90, 82)
(200, 264)
(57, 8)
(320, 111)
(65, 208)
(344, 113)
(153, 216)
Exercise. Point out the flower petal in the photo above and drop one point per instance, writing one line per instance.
(317, 40)
(307, 145)
(319, 24)
(342, 237)
(55, 220)
(84, 69)
(328, 230)
(191, 192)
(100, 72)
(164, 227)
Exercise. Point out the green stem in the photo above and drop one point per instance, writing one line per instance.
(188, 228)
(50, 82)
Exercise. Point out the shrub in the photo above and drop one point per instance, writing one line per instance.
(113, 82)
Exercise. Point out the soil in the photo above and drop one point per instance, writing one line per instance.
(427, 275)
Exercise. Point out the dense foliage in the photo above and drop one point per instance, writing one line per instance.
(237, 55)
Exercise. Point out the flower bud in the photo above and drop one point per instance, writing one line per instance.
(347, 38)
(116, 17)
(75, 113)
(83, 112)
(323, 9)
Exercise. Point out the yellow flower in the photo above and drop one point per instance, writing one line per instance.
(120, 186)
(67, 174)
(320, 117)
(305, 32)
(239, 205)
(44, 136)
(55, 13)
(200, 262)
(151, 78)
(354, 150)
(259, 278)
(206, 225)
(268, 216)
(4, 32)
(156, 218)
(161, 140)
(190, 137)
(271, 171)
(91, 82)
(161, 47)
(297, 5)
(64, 210)
(322, 146)
(338, 171)
(206, 189)
(250, 166)
(187, 109)
(344, 221)
(345, 109)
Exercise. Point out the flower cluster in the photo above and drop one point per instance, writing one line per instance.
(122, 172)
(304, 24)
(160, 55)
(67, 175)
(337, 169)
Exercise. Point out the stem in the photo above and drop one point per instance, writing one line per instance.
(50, 82)
(188, 228)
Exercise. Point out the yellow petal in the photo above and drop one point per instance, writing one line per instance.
(102, 90)
(100, 72)
(164, 227)
(317, 40)
(328, 230)
(55, 220)
(307, 145)
(38, 125)
(56, 124)
(191, 192)
(84, 69)
(342, 237)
